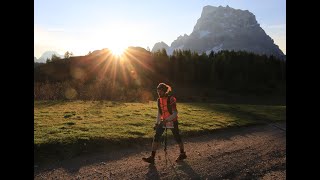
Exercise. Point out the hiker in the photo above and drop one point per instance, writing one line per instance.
(166, 118)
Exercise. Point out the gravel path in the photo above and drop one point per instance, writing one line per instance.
(255, 152)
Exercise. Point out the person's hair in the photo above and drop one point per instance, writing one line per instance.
(164, 87)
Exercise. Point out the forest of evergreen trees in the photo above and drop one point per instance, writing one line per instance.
(133, 77)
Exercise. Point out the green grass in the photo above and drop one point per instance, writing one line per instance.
(67, 128)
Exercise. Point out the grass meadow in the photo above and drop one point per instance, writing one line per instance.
(64, 129)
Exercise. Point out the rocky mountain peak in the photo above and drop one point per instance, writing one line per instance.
(226, 28)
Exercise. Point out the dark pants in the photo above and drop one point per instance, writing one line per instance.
(174, 130)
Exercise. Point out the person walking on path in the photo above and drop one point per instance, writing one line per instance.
(167, 118)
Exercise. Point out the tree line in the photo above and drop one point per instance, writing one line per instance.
(134, 76)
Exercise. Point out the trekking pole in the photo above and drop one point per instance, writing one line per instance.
(165, 146)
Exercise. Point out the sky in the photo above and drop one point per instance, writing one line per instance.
(80, 26)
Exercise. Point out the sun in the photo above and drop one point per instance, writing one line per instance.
(117, 51)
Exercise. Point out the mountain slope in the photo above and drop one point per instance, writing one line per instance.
(225, 28)
(47, 55)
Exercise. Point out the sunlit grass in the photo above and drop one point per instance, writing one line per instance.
(65, 122)
(65, 129)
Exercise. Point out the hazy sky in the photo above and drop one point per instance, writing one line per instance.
(81, 26)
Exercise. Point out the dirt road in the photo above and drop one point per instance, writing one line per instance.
(256, 152)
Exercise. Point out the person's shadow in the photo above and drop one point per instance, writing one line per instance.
(152, 172)
(186, 168)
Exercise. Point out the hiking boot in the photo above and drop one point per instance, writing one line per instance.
(149, 160)
(181, 156)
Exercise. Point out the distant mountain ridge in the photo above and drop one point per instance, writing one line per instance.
(46, 55)
(225, 28)
(159, 45)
